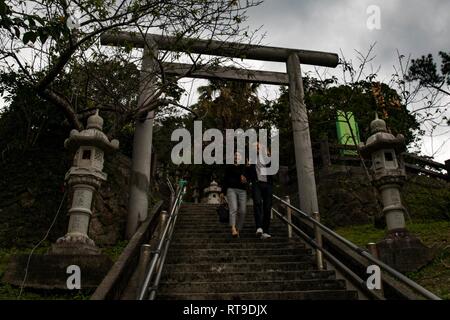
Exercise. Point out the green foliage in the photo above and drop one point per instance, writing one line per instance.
(8, 292)
(424, 70)
(427, 198)
(324, 98)
(229, 105)
(25, 128)
(115, 251)
(429, 231)
(361, 235)
(434, 276)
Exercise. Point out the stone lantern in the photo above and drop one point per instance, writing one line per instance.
(213, 193)
(399, 249)
(84, 178)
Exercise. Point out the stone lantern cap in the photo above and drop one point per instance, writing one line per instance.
(213, 187)
(91, 136)
(381, 139)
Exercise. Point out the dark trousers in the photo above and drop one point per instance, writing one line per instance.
(262, 204)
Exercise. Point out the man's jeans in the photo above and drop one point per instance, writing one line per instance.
(237, 198)
(262, 204)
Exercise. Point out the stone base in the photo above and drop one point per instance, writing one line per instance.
(404, 252)
(74, 248)
(77, 244)
(49, 271)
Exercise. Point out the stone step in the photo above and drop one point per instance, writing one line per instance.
(239, 252)
(250, 286)
(214, 222)
(223, 227)
(186, 206)
(220, 235)
(225, 238)
(236, 245)
(261, 295)
(199, 215)
(171, 259)
(206, 262)
(214, 217)
(229, 240)
(205, 226)
(175, 277)
(239, 267)
(248, 226)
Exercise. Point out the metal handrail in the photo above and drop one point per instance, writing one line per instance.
(161, 250)
(360, 251)
(163, 258)
(327, 254)
(169, 183)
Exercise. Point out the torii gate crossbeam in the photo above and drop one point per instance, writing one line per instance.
(140, 181)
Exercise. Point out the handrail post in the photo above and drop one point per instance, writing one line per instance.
(148, 250)
(372, 247)
(288, 216)
(318, 240)
(163, 218)
(373, 250)
(144, 258)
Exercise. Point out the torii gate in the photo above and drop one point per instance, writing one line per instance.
(140, 180)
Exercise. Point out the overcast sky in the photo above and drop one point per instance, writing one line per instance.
(415, 27)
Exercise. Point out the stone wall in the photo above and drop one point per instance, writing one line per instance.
(347, 198)
(31, 189)
(110, 206)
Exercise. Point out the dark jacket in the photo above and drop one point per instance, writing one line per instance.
(252, 175)
(232, 177)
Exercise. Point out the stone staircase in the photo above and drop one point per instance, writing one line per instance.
(205, 262)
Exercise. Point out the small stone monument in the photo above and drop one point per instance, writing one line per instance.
(213, 193)
(74, 251)
(84, 178)
(399, 248)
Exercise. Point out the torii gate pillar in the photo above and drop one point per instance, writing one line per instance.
(302, 141)
(142, 145)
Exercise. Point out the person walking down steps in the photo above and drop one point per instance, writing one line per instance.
(262, 188)
(235, 186)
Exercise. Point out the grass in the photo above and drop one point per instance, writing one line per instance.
(436, 275)
(8, 292)
(114, 251)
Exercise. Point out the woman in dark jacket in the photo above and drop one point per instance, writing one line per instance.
(235, 186)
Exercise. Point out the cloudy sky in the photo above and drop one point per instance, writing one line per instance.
(413, 27)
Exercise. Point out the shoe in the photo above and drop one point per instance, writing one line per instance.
(259, 232)
(266, 236)
(234, 232)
